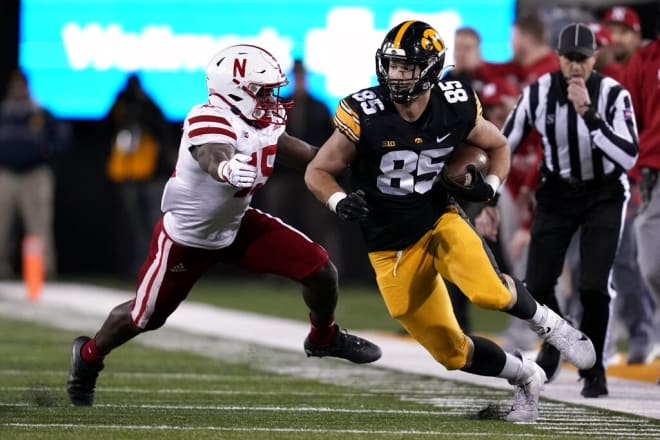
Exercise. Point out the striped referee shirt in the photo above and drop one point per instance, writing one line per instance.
(575, 147)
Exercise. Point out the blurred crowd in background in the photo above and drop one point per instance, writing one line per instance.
(90, 190)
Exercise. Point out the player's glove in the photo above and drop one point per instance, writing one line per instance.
(237, 171)
(352, 207)
(479, 190)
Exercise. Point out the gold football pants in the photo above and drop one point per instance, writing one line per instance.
(411, 283)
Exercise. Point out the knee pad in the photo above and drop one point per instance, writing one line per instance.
(325, 277)
(453, 356)
(495, 299)
(451, 361)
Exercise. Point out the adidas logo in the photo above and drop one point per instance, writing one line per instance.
(179, 268)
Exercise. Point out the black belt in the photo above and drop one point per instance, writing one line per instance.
(575, 184)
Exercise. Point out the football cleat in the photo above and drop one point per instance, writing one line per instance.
(525, 406)
(82, 376)
(345, 346)
(595, 385)
(574, 345)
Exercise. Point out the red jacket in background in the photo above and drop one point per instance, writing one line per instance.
(613, 70)
(522, 76)
(642, 79)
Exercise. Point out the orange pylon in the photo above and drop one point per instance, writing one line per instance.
(33, 266)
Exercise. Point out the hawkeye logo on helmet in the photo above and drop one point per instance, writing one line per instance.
(432, 38)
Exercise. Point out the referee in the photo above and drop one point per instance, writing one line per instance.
(589, 137)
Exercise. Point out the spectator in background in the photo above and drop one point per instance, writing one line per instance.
(623, 24)
(642, 78)
(532, 54)
(285, 195)
(137, 157)
(485, 217)
(467, 57)
(498, 98)
(634, 306)
(30, 138)
(606, 63)
(532, 57)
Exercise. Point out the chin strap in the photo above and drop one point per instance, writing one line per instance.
(445, 70)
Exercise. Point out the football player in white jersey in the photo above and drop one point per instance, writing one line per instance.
(227, 152)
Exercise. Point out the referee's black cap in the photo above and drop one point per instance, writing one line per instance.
(576, 38)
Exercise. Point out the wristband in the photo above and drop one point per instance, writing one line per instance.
(221, 176)
(334, 199)
(493, 181)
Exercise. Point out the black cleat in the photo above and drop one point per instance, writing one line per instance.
(549, 358)
(345, 346)
(82, 376)
(595, 385)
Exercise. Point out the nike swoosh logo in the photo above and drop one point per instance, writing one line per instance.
(440, 139)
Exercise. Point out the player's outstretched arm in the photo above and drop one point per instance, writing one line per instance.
(334, 157)
(220, 162)
(294, 152)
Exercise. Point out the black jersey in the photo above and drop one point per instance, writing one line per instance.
(397, 162)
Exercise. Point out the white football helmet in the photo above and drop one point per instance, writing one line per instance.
(248, 79)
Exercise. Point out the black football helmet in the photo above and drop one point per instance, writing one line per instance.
(411, 42)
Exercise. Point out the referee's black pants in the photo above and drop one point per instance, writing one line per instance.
(561, 209)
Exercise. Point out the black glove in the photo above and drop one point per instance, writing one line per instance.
(477, 191)
(353, 206)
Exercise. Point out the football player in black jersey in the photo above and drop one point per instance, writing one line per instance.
(395, 138)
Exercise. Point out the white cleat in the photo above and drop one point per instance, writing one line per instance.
(525, 407)
(574, 345)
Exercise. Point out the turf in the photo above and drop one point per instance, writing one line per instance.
(238, 391)
(359, 306)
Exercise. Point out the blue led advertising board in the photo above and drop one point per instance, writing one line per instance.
(78, 53)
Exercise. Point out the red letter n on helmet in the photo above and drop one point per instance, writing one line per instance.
(239, 67)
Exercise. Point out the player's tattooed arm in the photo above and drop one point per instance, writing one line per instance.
(209, 157)
(294, 153)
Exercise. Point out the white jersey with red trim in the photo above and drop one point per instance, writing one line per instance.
(199, 210)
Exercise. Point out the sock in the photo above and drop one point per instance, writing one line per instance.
(513, 369)
(322, 329)
(525, 305)
(539, 316)
(488, 358)
(90, 354)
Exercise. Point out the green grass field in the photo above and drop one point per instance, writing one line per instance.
(359, 306)
(239, 391)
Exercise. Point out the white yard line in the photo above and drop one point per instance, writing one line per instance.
(83, 307)
(257, 429)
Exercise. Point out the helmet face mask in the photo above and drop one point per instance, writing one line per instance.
(411, 43)
(248, 79)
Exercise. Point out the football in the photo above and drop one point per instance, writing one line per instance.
(455, 168)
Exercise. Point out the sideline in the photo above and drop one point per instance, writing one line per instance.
(83, 307)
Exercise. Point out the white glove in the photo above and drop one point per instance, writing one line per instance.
(237, 172)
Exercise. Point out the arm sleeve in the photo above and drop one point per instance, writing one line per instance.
(519, 122)
(616, 135)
